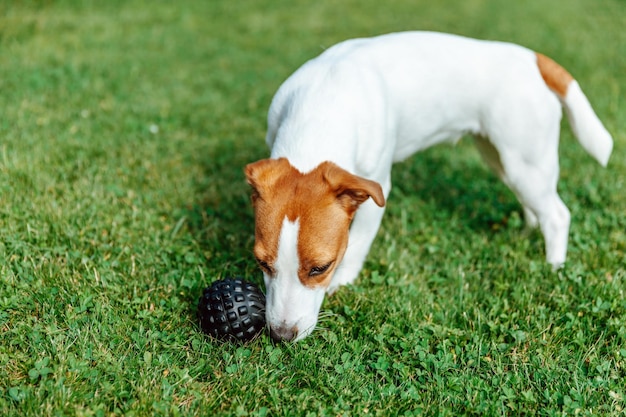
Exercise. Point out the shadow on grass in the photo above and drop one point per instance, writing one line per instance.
(221, 220)
(450, 184)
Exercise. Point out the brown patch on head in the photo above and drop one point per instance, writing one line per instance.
(555, 76)
(323, 201)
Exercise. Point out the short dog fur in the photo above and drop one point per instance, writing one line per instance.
(337, 125)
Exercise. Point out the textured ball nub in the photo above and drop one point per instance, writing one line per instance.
(232, 309)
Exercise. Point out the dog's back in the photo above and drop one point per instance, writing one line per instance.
(401, 86)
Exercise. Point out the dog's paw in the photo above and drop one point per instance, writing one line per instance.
(557, 265)
(332, 289)
(530, 219)
(337, 283)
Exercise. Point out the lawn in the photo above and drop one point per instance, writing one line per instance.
(124, 128)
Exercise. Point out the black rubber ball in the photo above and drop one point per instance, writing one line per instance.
(232, 309)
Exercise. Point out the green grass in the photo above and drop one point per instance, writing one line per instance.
(124, 127)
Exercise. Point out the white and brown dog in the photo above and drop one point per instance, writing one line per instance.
(337, 125)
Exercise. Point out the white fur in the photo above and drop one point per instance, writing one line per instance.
(366, 103)
(282, 290)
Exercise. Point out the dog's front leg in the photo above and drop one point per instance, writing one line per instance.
(362, 232)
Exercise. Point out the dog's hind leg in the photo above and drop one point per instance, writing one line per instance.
(538, 194)
(492, 158)
(527, 143)
(533, 179)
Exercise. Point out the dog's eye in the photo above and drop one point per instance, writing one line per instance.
(265, 267)
(319, 270)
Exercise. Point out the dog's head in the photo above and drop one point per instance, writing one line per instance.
(301, 235)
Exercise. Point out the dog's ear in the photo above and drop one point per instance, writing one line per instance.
(263, 174)
(351, 190)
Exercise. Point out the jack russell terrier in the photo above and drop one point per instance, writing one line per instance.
(337, 125)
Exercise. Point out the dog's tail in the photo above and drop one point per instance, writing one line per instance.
(589, 130)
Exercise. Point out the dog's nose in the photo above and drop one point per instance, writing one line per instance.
(283, 334)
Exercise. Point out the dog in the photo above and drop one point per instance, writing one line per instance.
(336, 126)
